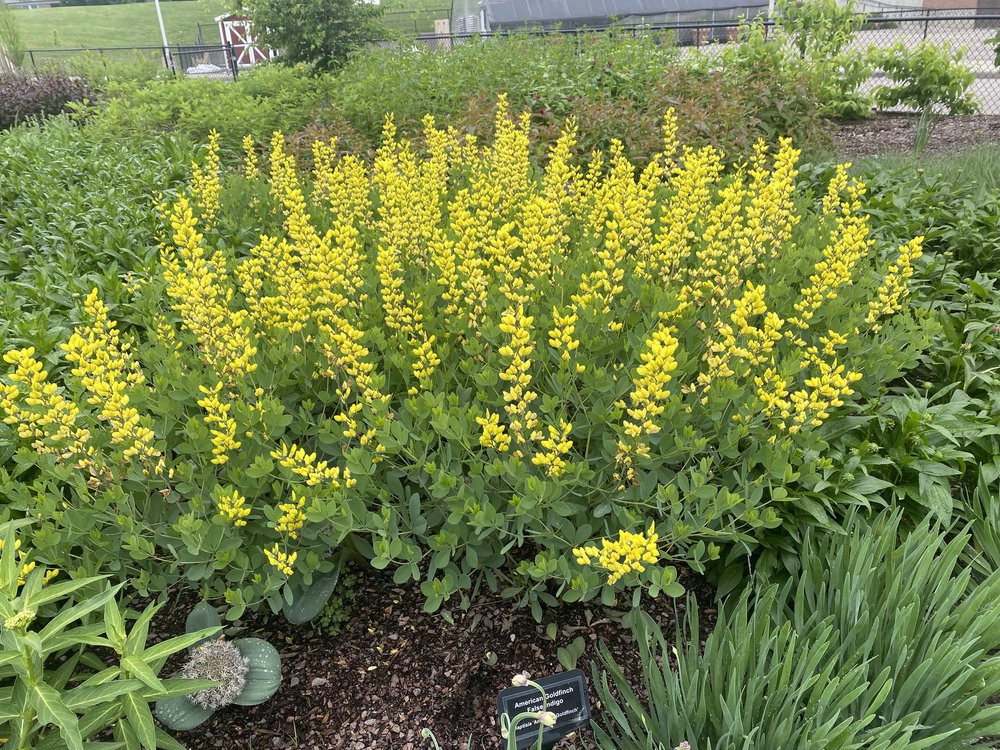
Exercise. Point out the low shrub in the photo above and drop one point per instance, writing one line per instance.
(928, 78)
(26, 97)
(614, 85)
(267, 99)
(882, 644)
(444, 365)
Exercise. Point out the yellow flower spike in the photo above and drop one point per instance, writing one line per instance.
(292, 517)
(306, 466)
(233, 508)
(205, 183)
(250, 168)
(202, 298)
(104, 365)
(557, 445)
(518, 397)
(895, 285)
(221, 426)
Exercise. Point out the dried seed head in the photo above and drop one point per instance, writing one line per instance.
(220, 661)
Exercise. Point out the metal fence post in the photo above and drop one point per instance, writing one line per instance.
(927, 21)
(31, 54)
(231, 60)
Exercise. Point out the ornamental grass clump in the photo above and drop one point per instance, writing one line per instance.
(555, 382)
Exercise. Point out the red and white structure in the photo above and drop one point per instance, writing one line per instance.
(237, 30)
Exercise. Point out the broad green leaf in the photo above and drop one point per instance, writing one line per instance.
(202, 617)
(180, 714)
(264, 676)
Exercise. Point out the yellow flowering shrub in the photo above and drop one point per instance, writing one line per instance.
(451, 363)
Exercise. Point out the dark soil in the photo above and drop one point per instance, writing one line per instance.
(887, 133)
(393, 670)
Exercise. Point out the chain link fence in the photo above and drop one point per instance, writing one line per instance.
(201, 61)
(968, 30)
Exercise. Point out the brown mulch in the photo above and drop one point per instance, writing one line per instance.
(887, 133)
(393, 669)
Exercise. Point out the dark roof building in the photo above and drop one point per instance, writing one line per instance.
(509, 14)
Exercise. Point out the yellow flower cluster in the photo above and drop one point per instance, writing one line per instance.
(221, 426)
(314, 472)
(350, 364)
(811, 405)
(292, 518)
(40, 413)
(283, 561)
(205, 184)
(647, 401)
(649, 385)
(561, 337)
(494, 434)
(556, 445)
(107, 371)
(894, 287)
(619, 557)
(232, 506)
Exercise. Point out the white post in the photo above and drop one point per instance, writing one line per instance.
(163, 34)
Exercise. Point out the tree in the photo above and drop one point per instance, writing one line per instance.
(321, 32)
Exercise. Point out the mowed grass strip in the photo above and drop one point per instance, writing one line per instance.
(131, 25)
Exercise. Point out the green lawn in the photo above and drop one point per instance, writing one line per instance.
(414, 15)
(134, 25)
(131, 25)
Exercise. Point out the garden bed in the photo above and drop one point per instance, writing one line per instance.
(394, 669)
(887, 133)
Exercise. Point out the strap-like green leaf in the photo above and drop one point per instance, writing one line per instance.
(140, 669)
(76, 612)
(174, 686)
(178, 643)
(55, 591)
(136, 639)
(83, 697)
(141, 718)
(51, 710)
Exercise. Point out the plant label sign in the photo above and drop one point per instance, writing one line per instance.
(566, 694)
